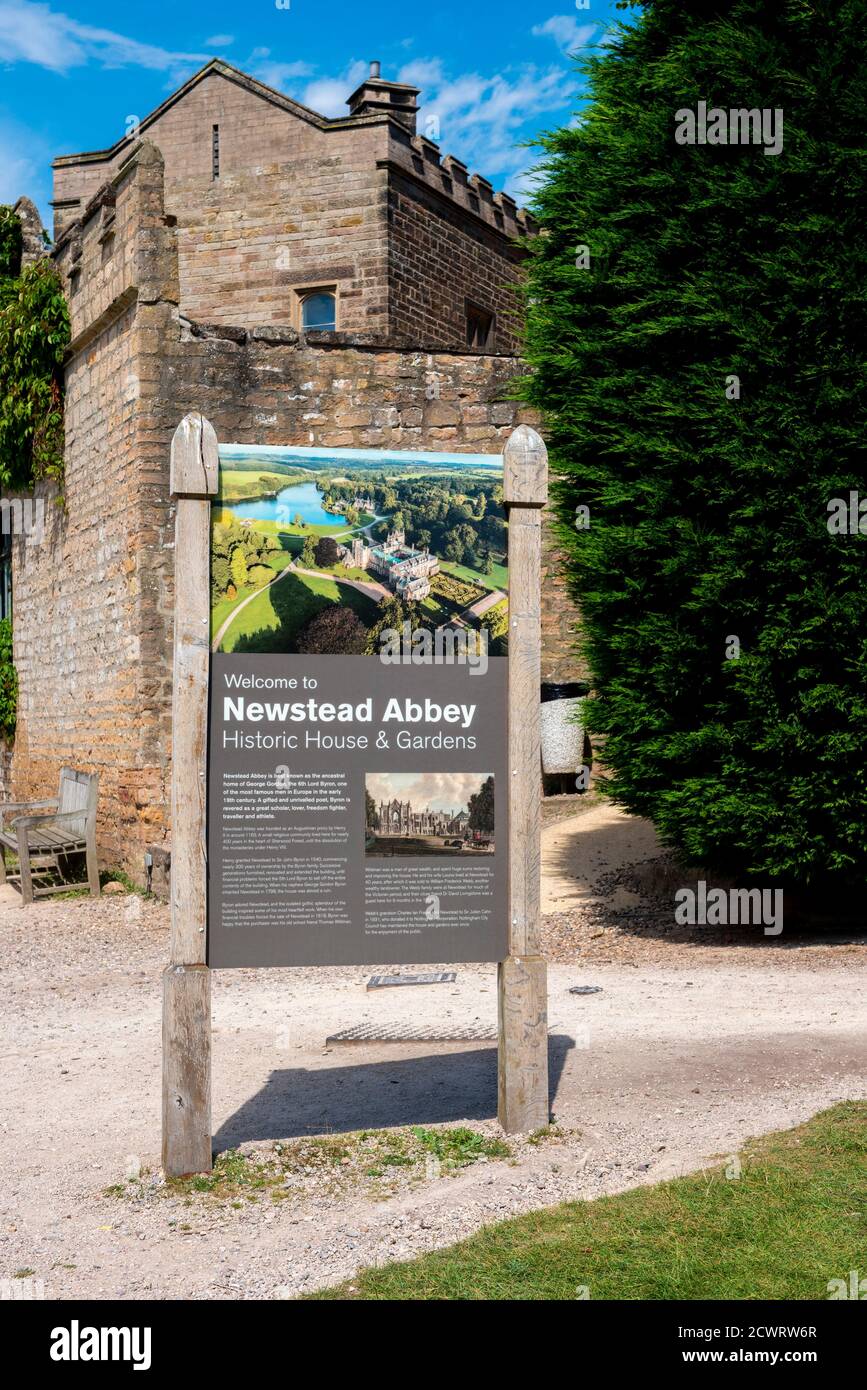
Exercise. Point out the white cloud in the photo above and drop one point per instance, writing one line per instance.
(220, 41)
(24, 167)
(34, 33)
(422, 72)
(327, 95)
(276, 74)
(566, 32)
(481, 120)
(523, 183)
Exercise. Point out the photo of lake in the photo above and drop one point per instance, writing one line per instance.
(299, 499)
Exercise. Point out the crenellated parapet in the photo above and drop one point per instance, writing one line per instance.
(449, 177)
(120, 251)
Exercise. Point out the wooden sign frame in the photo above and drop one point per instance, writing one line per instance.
(522, 1104)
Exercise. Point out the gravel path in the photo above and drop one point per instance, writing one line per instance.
(687, 1048)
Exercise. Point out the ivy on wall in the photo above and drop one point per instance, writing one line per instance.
(10, 243)
(34, 333)
(8, 682)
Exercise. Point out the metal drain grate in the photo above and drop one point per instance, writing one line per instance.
(409, 1032)
(440, 977)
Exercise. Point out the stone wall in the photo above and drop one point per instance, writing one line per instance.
(300, 201)
(560, 661)
(6, 751)
(442, 260)
(264, 386)
(93, 603)
(83, 599)
(294, 207)
(250, 244)
(294, 204)
(253, 132)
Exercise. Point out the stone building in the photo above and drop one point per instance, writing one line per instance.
(406, 570)
(298, 279)
(402, 818)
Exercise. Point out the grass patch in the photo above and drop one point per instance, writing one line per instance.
(272, 620)
(120, 876)
(455, 1148)
(277, 560)
(539, 1136)
(792, 1221)
(371, 1160)
(79, 887)
(310, 528)
(497, 579)
(341, 571)
(437, 612)
(246, 485)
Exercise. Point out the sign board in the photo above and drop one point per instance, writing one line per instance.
(357, 770)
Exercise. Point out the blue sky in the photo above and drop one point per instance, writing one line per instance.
(493, 73)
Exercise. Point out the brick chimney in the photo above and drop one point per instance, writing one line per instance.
(375, 97)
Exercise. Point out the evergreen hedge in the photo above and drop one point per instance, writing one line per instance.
(708, 515)
(34, 334)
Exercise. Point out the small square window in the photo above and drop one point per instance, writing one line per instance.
(480, 327)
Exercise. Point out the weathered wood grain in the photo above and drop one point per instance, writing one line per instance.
(522, 1074)
(525, 468)
(186, 1070)
(186, 995)
(195, 460)
(522, 990)
(189, 729)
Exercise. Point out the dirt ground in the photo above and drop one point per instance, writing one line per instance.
(692, 1043)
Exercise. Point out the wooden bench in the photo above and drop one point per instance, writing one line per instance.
(45, 833)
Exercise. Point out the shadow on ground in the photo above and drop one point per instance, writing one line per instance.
(618, 884)
(439, 1088)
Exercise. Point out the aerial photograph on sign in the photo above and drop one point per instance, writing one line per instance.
(429, 813)
(321, 550)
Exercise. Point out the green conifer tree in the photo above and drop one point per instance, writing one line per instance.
(697, 331)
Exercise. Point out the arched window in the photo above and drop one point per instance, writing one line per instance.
(319, 310)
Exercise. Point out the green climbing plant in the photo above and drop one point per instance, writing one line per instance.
(10, 243)
(34, 333)
(8, 682)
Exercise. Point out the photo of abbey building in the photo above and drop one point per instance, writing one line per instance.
(407, 571)
(429, 813)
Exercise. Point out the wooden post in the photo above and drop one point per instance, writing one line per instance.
(522, 986)
(186, 981)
